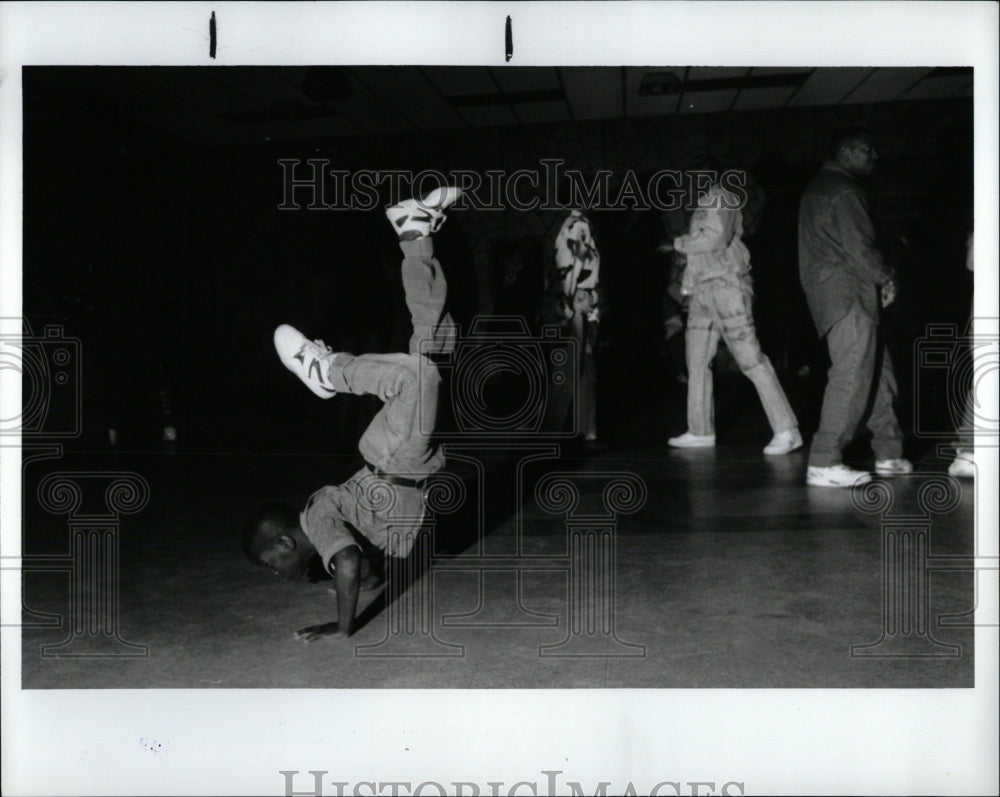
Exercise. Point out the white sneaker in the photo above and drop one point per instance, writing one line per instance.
(836, 476)
(688, 440)
(309, 360)
(784, 442)
(416, 218)
(893, 467)
(963, 466)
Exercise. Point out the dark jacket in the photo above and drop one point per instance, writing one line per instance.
(840, 268)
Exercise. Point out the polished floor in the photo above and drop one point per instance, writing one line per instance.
(555, 566)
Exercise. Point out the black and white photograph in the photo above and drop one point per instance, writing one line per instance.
(485, 398)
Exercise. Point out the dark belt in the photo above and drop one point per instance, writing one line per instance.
(399, 481)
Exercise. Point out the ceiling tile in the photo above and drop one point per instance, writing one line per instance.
(369, 113)
(828, 85)
(886, 84)
(202, 90)
(410, 94)
(935, 88)
(650, 104)
(279, 131)
(533, 112)
(485, 115)
(458, 81)
(778, 70)
(199, 128)
(593, 92)
(526, 78)
(332, 126)
(776, 97)
(707, 101)
(714, 72)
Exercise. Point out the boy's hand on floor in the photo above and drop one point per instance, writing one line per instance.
(313, 632)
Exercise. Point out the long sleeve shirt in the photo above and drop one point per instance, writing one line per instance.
(840, 268)
(713, 243)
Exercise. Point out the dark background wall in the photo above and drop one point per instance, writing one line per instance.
(172, 263)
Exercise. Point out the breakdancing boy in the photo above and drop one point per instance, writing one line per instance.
(383, 503)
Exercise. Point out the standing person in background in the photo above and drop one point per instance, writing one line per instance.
(846, 281)
(964, 465)
(717, 279)
(675, 307)
(573, 301)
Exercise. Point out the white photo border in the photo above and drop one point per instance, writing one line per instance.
(236, 741)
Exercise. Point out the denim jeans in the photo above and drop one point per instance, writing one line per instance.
(723, 308)
(398, 438)
(853, 392)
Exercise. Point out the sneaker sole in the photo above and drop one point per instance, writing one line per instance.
(782, 451)
(288, 343)
(817, 482)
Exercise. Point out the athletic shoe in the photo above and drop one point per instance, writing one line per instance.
(836, 476)
(688, 440)
(309, 360)
(963, 466)
(416, 218)
(784, 442)
(893, 467)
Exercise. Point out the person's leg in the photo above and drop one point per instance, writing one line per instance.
(733, 304)
(702, 340)
(588, 378)
(426, 291)
(398, 438)
(964, 463)
(851, 342)
(887, 440)
(966, 431)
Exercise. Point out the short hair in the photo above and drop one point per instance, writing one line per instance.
(264, 525)
(847, 136)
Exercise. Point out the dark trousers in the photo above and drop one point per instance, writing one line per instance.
(860, 383)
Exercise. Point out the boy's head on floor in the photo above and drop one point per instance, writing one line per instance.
(273, 538)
